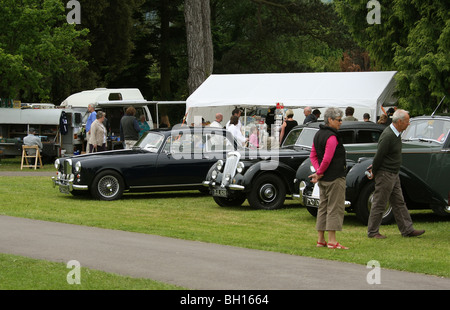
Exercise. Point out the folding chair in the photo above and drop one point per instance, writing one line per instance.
(36, 157)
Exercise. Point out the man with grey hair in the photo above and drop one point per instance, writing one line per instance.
(309, 117)
(385, 169)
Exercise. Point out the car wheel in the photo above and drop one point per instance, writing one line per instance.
(364, 204)
(230, 202)
(268, 192)
(107, 185)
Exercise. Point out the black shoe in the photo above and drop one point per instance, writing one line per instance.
(415, 233)
(378, 236)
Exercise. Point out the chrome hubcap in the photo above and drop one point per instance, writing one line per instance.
(267, 193)
(387, 210)
(108, 186)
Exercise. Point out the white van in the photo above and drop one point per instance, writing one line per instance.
(114, 103)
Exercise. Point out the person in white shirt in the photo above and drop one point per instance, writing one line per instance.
(216, 123)
(236, 112)
(236, 131)
(97, 140)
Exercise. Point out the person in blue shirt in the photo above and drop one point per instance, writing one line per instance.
(91, 118)
(143, 125)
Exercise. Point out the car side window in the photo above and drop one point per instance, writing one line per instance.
(367, 136)
(176, 144)
(217, 143)
(347, 136)
(199, 142)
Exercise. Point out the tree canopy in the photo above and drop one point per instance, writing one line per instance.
(145, 44)
(413, 38)
(37, 48)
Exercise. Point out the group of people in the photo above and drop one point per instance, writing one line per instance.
(96, 129)
(234, 126)
(311, 115)
(329, 160)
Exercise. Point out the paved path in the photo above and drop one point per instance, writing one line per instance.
(195, 265)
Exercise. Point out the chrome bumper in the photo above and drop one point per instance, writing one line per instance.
(65, 184)
(233, 187)
(312, 200)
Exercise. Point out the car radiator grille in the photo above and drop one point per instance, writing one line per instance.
(230, 167)
(67, 166)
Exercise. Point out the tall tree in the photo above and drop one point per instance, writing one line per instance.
(413, 38)
(111, 31)
(199, 41)
(277, 36)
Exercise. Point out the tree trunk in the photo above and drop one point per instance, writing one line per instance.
(164, 51)
(197, 15)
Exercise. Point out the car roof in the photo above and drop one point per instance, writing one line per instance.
(443, 117)
(345, 125)
(167, 131)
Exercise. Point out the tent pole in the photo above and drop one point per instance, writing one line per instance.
(157, 116)
(245, 116)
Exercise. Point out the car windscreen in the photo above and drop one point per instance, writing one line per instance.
(433, 130)
(292, 137)
(306, 137)
(150, 141)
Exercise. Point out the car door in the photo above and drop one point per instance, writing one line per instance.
(140, 164)
(440, 163)
(177, 164)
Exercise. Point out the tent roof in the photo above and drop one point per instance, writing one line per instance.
(30, 116)
(296, 90)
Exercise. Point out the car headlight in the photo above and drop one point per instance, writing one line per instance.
(219, 165)
(240, 167)
(57, 164)
(302, 186)
(78, 166)
(214, 174)
(311, 167)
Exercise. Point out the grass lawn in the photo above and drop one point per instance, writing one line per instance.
(13, 164)
(20, 273)
(193, 216)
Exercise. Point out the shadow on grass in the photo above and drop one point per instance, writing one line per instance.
(153, 195)
(428, 217)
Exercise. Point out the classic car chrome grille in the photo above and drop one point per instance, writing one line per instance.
(67, 166)
(230, 167)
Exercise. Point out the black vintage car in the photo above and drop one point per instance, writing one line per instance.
(162, 160)
(424, 175)
(265, 177)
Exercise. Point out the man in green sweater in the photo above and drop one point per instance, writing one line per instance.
(385, 169)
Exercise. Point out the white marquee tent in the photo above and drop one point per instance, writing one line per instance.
(361, 90)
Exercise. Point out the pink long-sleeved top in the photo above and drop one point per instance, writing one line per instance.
(330, 148)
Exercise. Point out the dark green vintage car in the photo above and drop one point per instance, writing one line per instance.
(425, 172)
